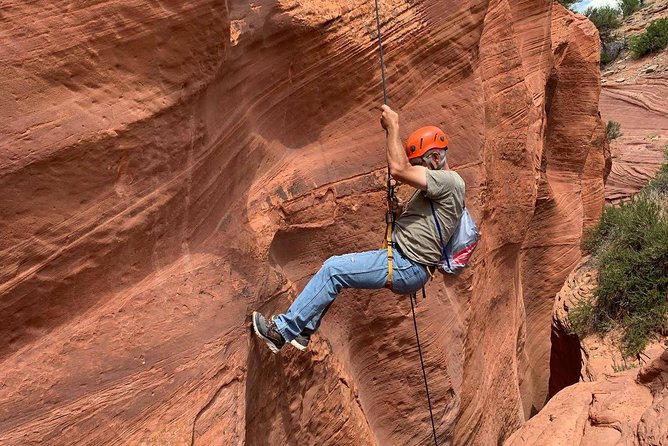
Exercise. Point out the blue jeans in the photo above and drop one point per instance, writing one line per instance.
(363, 270)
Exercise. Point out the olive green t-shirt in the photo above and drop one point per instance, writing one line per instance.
(415, 230)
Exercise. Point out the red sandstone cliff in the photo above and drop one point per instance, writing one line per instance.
(628, 408)
(167, 167)
(612, 407)
(634, 93)
(593, 357)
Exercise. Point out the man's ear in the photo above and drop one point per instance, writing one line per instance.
(434, 161)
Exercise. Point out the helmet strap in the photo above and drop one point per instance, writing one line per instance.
(443, 160)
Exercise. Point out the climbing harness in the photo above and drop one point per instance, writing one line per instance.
(389, 227)
(389, 222)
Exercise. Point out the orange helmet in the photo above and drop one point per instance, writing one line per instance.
(425, 139)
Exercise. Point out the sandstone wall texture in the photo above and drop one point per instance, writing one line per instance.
(593, 357)
(634, 94)
(166, 167)
(624, 409)
(641, 110)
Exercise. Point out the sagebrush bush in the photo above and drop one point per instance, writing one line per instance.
(612, 49)
(628, 7)
(606, 20)
(629, 245)
(613, 130)
(655, 38)
(659, 185)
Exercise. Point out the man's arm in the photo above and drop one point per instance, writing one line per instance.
(400, 168)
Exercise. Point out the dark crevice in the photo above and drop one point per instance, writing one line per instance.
(565, 359)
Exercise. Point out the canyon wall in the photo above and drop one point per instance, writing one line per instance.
(627, 408)
(167, 167)
(633, 94)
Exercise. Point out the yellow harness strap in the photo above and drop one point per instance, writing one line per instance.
(387, 243)
(430, 272)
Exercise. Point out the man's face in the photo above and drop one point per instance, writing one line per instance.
(419, 162)
(430, 160)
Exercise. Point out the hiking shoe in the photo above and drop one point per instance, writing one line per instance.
(267, 331)
(301, 342)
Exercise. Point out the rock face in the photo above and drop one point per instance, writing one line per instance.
(593, 357)
(627, 408)
(167, 167)
(642, 111)
(639, 105)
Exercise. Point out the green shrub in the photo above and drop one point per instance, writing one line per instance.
(624, 366)
(630, 247)
(655, 38)
(659, 185)
(581, 317)
(628, 7)
(613, 130)
(606, 20)
(611, 50)
(605, 59)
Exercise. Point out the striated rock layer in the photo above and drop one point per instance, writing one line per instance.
(634, 93)
(642, 111)
(167, 167)
(627, 408)
(593, 357)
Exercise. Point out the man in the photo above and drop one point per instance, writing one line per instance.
(417, 245)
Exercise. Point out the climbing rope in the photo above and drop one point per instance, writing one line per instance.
(389, 221)
(389, 214)
(424, 374)
(382, 60)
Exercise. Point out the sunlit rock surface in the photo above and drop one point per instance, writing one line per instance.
(627, 408)
(167, 167)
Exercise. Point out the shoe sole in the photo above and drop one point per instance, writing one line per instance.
(267, 341)
(297, 345)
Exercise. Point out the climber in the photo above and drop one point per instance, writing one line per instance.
(417, 246)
